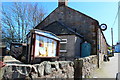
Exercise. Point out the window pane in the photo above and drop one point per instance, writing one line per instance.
(45, 47)
(62, 46)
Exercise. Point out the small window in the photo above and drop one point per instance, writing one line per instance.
(63, 50)
(63, 41)
(63, 45)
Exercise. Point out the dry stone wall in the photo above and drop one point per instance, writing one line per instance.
(46, 69)
(89, 64)
(86, 66)
(81, 67)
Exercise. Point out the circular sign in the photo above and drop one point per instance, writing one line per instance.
(103, 27)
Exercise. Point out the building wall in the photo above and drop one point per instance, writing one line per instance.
(102, 46)
(83, 24)
(72, 47)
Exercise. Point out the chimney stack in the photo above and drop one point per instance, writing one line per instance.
(62, 3)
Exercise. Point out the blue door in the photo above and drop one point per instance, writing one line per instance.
(85, 49)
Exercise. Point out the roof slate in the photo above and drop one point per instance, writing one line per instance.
(60, 28)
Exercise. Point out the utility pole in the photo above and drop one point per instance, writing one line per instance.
(112, 39)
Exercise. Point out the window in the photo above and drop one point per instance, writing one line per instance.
(63, 45)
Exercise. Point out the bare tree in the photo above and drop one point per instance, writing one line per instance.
(18, 19)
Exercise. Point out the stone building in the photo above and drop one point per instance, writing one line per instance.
(70, 40)
(77, 23)
(102, 46)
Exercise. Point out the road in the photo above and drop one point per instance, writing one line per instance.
(108, 69)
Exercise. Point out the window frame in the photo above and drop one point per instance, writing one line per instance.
(63, 41)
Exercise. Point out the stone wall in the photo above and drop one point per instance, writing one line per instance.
(86, 66)
(102, 46)
(101, 59)
(46, 69)
(80, 68)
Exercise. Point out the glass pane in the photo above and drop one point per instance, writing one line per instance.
(45, 47)
(63, 46)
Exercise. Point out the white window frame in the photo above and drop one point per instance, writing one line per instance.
(63, 50)
(64, 42)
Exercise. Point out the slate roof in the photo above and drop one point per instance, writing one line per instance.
(60, 28)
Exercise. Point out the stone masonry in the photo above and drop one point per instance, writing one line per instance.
(47, 69)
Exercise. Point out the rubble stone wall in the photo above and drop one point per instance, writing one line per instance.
(89, 64)
(46, 69)
(86, 66)
(58, 69)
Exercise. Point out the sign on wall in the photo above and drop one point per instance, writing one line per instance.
(45, 47)
(103, 27)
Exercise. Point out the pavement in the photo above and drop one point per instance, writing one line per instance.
(108, 69)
